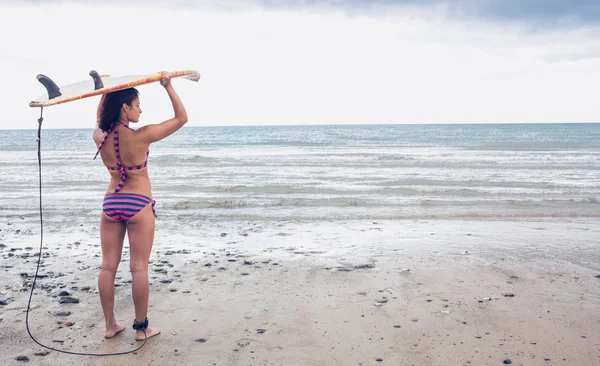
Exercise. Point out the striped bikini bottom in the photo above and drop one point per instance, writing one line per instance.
(123, 206)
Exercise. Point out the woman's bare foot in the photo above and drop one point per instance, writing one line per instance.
(150, 332)
(111, 332)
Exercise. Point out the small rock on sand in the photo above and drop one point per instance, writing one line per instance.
(68, 300)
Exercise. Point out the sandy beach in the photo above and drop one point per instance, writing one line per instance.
(319, 293)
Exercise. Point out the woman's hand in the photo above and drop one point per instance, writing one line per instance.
(165, 79)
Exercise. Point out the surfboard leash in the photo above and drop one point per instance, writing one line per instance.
(39, 154)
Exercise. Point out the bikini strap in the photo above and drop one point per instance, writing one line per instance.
(120, 167)
(104, 139)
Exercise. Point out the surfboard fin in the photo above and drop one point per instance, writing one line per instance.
(52, 89)
(98, 84)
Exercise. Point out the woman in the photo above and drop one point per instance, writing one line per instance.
(128, 205)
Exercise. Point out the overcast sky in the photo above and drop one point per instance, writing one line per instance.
(312, 62)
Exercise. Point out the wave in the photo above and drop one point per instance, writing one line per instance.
(592, 200)
(287, 190)
(395, 157)
(181, 158)
(341, 202)
(334, 202)
(180, 217)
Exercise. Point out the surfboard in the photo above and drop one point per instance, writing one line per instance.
(98, 84)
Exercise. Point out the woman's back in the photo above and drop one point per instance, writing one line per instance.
(132, 159)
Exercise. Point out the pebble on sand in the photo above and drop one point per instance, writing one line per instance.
(68, 300)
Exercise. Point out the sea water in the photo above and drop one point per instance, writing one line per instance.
(372, 172)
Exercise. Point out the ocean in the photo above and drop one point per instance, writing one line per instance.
(351, 172)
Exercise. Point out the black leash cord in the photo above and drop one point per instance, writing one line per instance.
(39, 142)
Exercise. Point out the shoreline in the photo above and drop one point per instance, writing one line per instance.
(323, 293)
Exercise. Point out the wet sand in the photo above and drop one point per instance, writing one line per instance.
(319, 293)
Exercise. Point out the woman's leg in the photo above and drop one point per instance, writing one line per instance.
(140, 230)
(112, 233)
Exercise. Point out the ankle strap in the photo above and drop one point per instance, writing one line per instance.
(140, 326)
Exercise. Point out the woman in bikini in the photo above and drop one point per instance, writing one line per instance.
(128, 206)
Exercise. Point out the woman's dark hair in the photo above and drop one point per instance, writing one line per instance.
(111, 107)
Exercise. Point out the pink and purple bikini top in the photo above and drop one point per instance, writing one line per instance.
(120, 167)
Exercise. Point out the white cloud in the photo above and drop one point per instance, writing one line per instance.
(282, 66)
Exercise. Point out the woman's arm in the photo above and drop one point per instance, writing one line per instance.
(97, 130)
(99, 111)
(156, 132)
